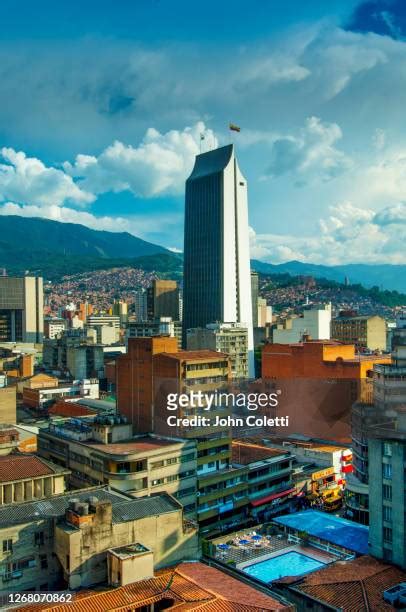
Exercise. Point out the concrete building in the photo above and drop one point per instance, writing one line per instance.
(163, 300)
(385, 432)
(41, 398)
(74, 354)
(25, 477)
(216, 279)
(314, 323)
(151, 370)
(55, 327)
(254, 297)
(101, 323)
(365, 332)
(269, 478)
(229, 338)
(140, 304)
(65, 541)
(264, 313)
(120, 309)
(319, 383)
(164, 326)
(8, 404)
(103, 451)
(21, 309)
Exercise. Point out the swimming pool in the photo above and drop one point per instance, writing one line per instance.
(291, 563)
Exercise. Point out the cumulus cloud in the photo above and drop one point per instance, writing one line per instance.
(391, 215)
(27, 180)
(159, 165)
(348, 235)
(310, 153)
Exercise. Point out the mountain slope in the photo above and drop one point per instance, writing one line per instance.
(37, 235)
(387, 276)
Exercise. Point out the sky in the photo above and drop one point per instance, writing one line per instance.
(102, 105)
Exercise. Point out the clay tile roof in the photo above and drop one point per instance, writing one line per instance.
(190, 586)
(227, 587)
(245, 453)
(19, 467)
(355, 585)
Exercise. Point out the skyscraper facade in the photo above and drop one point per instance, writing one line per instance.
(217, 282)
(21, 309)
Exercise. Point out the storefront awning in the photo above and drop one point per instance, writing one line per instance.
(268, 498)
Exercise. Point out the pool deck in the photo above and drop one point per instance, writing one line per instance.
(267, 547)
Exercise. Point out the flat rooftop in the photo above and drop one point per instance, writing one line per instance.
(245, 453)
(330, 528)
(129, 550)
(140, 445)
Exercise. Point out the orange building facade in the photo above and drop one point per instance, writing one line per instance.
(319, 382)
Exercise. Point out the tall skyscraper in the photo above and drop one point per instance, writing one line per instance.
(217, 282)
(21, 309)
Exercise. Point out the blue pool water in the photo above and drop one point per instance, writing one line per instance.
(289, 564)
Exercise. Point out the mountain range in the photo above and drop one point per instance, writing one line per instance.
(53, 249)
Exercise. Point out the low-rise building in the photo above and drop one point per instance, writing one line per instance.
(360, 584)
(43, 397)
(64, 541)
(103, 451)
(25, 477)
(187, 586)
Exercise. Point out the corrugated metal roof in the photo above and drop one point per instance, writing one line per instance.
(124, 508)
(330, 528)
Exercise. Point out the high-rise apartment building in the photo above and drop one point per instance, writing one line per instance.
(254, 297)
(21, 309)
(385, 430)
(140, 304)
(163, 299)
(229, 338)
(264, 313)
(217, 283)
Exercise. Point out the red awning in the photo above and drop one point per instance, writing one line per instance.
(268, 498)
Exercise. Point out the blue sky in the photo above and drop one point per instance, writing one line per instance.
(102, 105)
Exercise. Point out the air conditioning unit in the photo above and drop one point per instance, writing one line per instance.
(393, 594)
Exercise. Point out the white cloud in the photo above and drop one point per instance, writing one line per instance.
(348, 235)
(310, 153)
(159, 165)
(28, 181)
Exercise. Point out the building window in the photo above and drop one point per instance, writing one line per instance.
(171, 460)
(387, 471)
(387, 492)
(44, 561)
(186, 458)
(7, 546)
(387, 449)
(157, 481)
(387, 513)
(172, 478)
(387, 534)
(39, 538)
